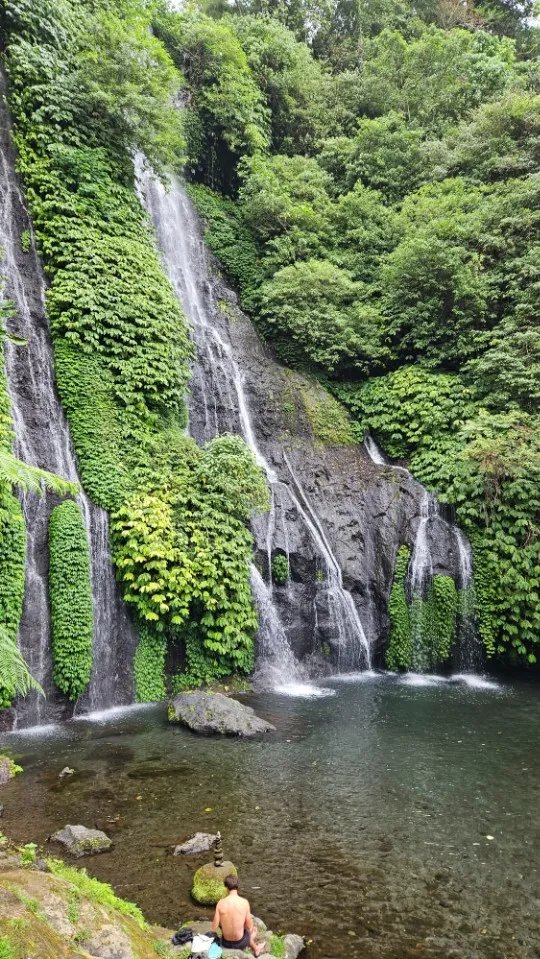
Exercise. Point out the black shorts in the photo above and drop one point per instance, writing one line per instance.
(240, 944)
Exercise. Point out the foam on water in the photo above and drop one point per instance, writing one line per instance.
(364, 677)
(422, 679)
(304, 690)
(44, 729)
(104, 715)
(474, 681)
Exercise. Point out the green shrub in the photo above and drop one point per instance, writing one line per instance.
(70, 594)
(149, 666)
(280, 569)
(399, 651)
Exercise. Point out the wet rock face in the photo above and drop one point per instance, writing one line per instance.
(213, 713)
(366, 510)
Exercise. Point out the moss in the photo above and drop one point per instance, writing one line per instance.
(327, 417)
(277, 947)
(208, 883)
(36, 905)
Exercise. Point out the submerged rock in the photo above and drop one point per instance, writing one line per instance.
(80, 841)
(209, 713)
(200, 842)
(208, 882)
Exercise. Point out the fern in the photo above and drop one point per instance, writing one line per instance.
(32, 479)
(15, 677)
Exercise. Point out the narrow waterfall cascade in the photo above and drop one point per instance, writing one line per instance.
(42, 438)
(469, 647)
(220, 404)
(420, 577)
(277, 667)
(421, 566)
(374, 451)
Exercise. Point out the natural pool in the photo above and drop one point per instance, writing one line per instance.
(362, 822)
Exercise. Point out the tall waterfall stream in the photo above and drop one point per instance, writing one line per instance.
(218, 380)
(42, 438)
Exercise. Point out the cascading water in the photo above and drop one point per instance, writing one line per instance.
(219, 384)
(420, 576)
(469, 646)
(373, 451)
(42, 439)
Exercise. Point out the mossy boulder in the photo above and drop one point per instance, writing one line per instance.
(211, 713)
(80, 841)
(208, 883)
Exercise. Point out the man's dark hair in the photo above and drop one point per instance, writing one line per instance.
(231, 882)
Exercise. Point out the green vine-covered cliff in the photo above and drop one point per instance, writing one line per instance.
(88, 87)
(368, 178)
(375, 198)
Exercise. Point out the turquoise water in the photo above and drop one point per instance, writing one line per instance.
(363, 822)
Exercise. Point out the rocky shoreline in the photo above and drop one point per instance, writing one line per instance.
(50, 910)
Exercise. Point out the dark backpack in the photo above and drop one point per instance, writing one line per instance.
(182, 937)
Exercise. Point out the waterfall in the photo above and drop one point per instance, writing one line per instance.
(470, 657)
(220, 384)
(373, 451)
(420, 575)
(42, 438)
(421, 566)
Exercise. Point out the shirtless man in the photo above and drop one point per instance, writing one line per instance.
(233, 916)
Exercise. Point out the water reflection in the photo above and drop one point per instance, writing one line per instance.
(367, 812)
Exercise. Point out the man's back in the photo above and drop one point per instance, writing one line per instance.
(234, 914)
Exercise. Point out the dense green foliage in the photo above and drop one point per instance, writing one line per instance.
(184, 557)
(90, 85)
(149, 666)
(387, 239)
(280, 569)
(422, 627)
(399, 652)
(70, 595)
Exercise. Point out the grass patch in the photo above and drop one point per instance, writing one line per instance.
(277, 947)
(96, 891)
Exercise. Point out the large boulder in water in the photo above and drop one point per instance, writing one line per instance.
(80, 841)
(211, 713)
(209, 882)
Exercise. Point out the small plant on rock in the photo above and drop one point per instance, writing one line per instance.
(280, 569)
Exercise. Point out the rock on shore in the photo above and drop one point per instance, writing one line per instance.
(53, 911)
(213, 713)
